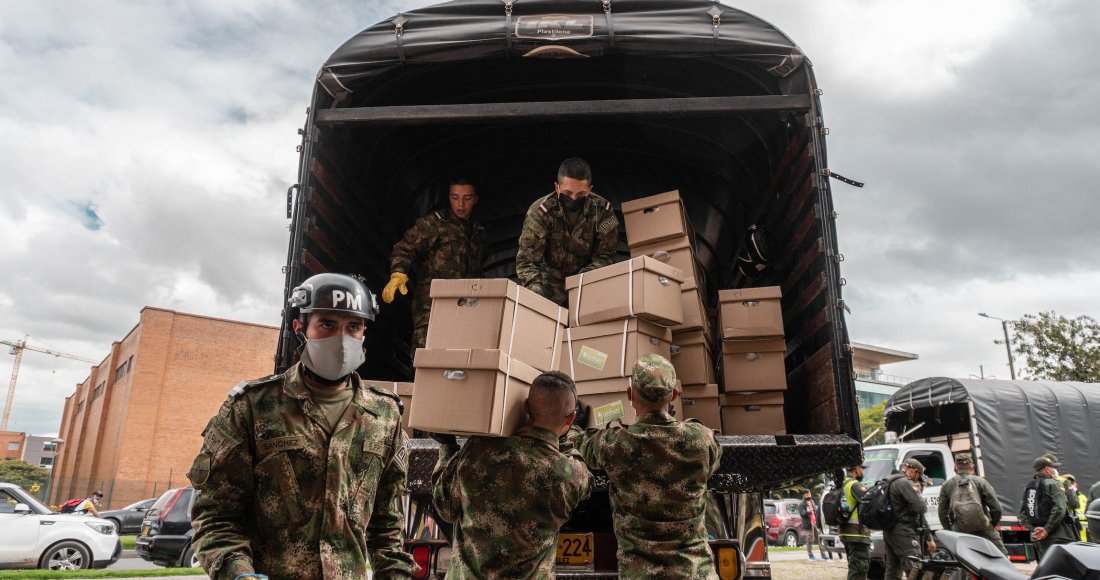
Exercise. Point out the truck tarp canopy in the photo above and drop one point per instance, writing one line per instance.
(470, 30)
(1014, 422)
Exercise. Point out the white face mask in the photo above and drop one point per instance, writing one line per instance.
(1053, 473)
(334, 357)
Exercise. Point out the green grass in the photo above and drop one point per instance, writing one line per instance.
(127, 542)
(13, 574)
(785, 549)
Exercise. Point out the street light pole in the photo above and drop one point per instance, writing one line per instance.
(1008, 343)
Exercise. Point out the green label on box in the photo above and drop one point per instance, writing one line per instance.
(591, 357)
(605, 414)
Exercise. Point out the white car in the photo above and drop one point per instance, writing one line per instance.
(31, 536)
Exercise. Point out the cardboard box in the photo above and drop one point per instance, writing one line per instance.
(470, 392)
(403, 390)
(608, 401)
(695, 312)
(496, 314)
(676, 252)
(640, 287)
(751, 312)
(701, 402)
(753, 414)
(610, 349)
(754, 365)
(691, 355)
(654, 218)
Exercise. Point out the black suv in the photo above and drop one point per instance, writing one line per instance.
(165, 537)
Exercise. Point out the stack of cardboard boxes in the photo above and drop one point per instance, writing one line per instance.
(753, 371)
(658, 227)
(487, 341)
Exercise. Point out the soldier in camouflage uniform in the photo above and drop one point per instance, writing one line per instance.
(508, 496)
(300, 473)
(658, 469)
(442, 244)
(569, 231)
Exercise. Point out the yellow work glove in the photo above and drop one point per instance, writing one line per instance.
(397, 282)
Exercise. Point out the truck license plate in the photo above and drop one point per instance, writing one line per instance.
(575, 550)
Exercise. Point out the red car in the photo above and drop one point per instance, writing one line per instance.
(783, 522)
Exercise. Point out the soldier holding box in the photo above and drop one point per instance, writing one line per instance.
(569, 231)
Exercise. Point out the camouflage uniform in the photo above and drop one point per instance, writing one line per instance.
(658, 469)
(439, 245)
(507, 498)
(282, 497)
(550, 249)
(909, 536)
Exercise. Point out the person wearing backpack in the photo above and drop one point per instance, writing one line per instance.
(855, 536)
(910, 534)
(1043, 507)
(89, 505)
(969, 504)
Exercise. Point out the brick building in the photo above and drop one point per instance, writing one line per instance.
(11, 444)
(134, 426)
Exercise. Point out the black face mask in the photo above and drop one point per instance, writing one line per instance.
(569, 204)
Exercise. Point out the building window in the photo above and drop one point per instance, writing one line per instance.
(120, 372)
(130, 363)
(13, 446)
(98, 392)
(79, 407)
(49, 447)
(46, 461)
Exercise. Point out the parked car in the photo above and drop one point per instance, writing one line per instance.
(783, 522)
(128, 519)
(31, 536)
(165, 537)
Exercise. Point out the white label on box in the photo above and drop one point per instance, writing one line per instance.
(605, 414)
(591, 357)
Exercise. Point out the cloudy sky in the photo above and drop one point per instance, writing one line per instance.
(148, 146)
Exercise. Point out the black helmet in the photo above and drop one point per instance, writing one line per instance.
(334, 293)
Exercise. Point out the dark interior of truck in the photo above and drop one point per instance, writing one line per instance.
(364, 184)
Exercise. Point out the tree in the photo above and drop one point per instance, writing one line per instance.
(23, 474)
(1057, 348)
(871, 419)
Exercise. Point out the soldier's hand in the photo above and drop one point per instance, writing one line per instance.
(583, 411)
(398, 281)
(931, 547)
(444, 438)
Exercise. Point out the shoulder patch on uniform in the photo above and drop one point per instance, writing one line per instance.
(401, 456)
(608, 224)
(438, 215)
(243, 386)
(200, 470)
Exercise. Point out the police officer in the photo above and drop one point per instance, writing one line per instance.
(855, 537)
(658, 469)
(984, 494)
(300, 473)
(1082, 506)
(1043, 507)
(444, 243)
(508, 496)
(569, 231)
(911, 533)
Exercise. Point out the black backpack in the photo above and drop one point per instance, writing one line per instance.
(875, 510)
(830, 507)
(1033, 503)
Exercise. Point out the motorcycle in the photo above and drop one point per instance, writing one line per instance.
(980, 559)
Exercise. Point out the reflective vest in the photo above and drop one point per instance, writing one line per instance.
(846, 528)
(1082, 504)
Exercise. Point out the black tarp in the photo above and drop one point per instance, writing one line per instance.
(468, 30)
(1015, 422)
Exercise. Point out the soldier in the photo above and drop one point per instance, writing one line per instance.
(441, 244)
(855, 537)
(911, 533)
(508, 496)
(300, 473)
(569, 231)
(981, 514)
(1043, 507)
(658, 469)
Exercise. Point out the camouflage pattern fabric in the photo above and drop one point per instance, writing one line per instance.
(654, 378)
(550, 250)
(438, 245)
(279, 496)
(507, 498)
(658, 469)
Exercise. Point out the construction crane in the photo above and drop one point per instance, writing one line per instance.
(17, 348)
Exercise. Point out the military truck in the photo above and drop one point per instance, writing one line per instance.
(656, 95)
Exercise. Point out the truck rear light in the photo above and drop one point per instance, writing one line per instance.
(729, 565)
(422, 556)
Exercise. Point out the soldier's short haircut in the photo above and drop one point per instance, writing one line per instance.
(462, 180)
(575, 168)
(552, 396)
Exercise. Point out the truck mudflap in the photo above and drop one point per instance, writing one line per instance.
(749, 462)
